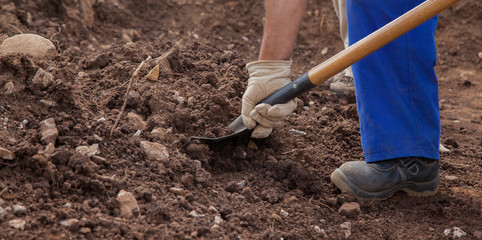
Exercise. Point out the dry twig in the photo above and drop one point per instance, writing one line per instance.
(127, 94)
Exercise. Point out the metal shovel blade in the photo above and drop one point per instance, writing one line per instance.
(237, 126)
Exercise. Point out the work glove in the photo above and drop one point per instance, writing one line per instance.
(265, 77)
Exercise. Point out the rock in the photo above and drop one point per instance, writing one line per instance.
(49, 131)
(133, 99)
(195, 214)
(19, 210)
(178, 191)
(31, 44)
(88, 151)
(320, 231)
(451, 178)
(6, 154)
(324, 51)
(3, 213)
(8, 88)
(85, 230)
(346, 229)
(127, 203)
(241, 184)
(164, 66)
(284, 213)
(218, 219)
(155, 150)
(153, 74)
(17, 224)
(197, 163)
(248, 194)
(49, 149)
(72, 224)
(447, 231)
(42, 79)
(458, 233)
(297, 132)
(350, 209)
(136, 121)
(442, 148)
(480, 55)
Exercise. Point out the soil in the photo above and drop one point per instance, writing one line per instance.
(276, 188)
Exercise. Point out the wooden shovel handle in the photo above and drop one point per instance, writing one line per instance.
(378, 39)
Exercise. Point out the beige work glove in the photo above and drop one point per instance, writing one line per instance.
(265, 77)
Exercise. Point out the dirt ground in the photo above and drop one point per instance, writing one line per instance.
(276, 188)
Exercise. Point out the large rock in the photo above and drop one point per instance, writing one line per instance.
(128, 203)
(49, 131)
(155, 150)
(34, 45)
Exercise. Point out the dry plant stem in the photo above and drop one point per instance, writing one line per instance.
(127, 94)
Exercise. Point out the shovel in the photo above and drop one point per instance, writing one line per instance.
(344, 59)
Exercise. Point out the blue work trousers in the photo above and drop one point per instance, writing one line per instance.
(396, 86)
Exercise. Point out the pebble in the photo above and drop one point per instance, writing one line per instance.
(49, 149)
(297, 132)
(480, 55)
(8, 88)
(198, 164)
(284, 213)
(195, 214)
(350, 209)
(6, 154)
(178, 191)
(85, 230)
(3, 213)
(451, 178)
(88, 151)
(49, 131)
(346, 228)
(155, 150)
(71, 223)
(458, 233)
(31, 44)
(19, 210)
(42, 79)
(241, 184)
(324, 51)
(321, 231)
(127, 203)
(218, 219)
(136, 121)
(102, 119)
(17, 224)
(442, 148)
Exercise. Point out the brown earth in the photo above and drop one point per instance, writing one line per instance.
(277, 188)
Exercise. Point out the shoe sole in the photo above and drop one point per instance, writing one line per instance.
(411, 188)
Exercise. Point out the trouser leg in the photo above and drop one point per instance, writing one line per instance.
(396, 87)
(340, 10)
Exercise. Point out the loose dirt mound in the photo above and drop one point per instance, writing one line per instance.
(274, 188)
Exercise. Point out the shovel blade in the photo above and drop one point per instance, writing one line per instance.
(237, 126)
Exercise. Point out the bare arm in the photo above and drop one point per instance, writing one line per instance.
(283, 19)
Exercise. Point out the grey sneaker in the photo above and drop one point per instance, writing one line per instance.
(380, 180)
(342, 85)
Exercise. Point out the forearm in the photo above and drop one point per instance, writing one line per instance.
(283, 19)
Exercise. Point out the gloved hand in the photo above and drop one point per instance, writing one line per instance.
(265, 77)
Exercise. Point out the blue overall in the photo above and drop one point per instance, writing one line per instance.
(396, 86)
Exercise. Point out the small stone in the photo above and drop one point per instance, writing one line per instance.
(100, 120)
(128, 203)
(88, 151)
(50, 148)
(458, 233)
(324, 51)
(3, 213)
(195, 214)
(19, 210)
(85, 230)
(321, 231)
(72, 224)
(296, 132)
(480, 55)
(49, 131)
(133, 99)
(350, 209)
(17, 224)
(136, 121)
(447, 231)
(346, 229)
(155, 150)
(31, 44)
(241, 184)
(6, 154)
(8, 88)
(178, 191)
(284, 213)
(198, 164)
(42, 79)
(451, 178)
(218, 219)
(164, 66)
(442, 148)
(153, 74)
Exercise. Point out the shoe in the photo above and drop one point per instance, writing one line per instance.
(342, 84)
(380, 180)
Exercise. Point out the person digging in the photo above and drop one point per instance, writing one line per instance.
(396, 91)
